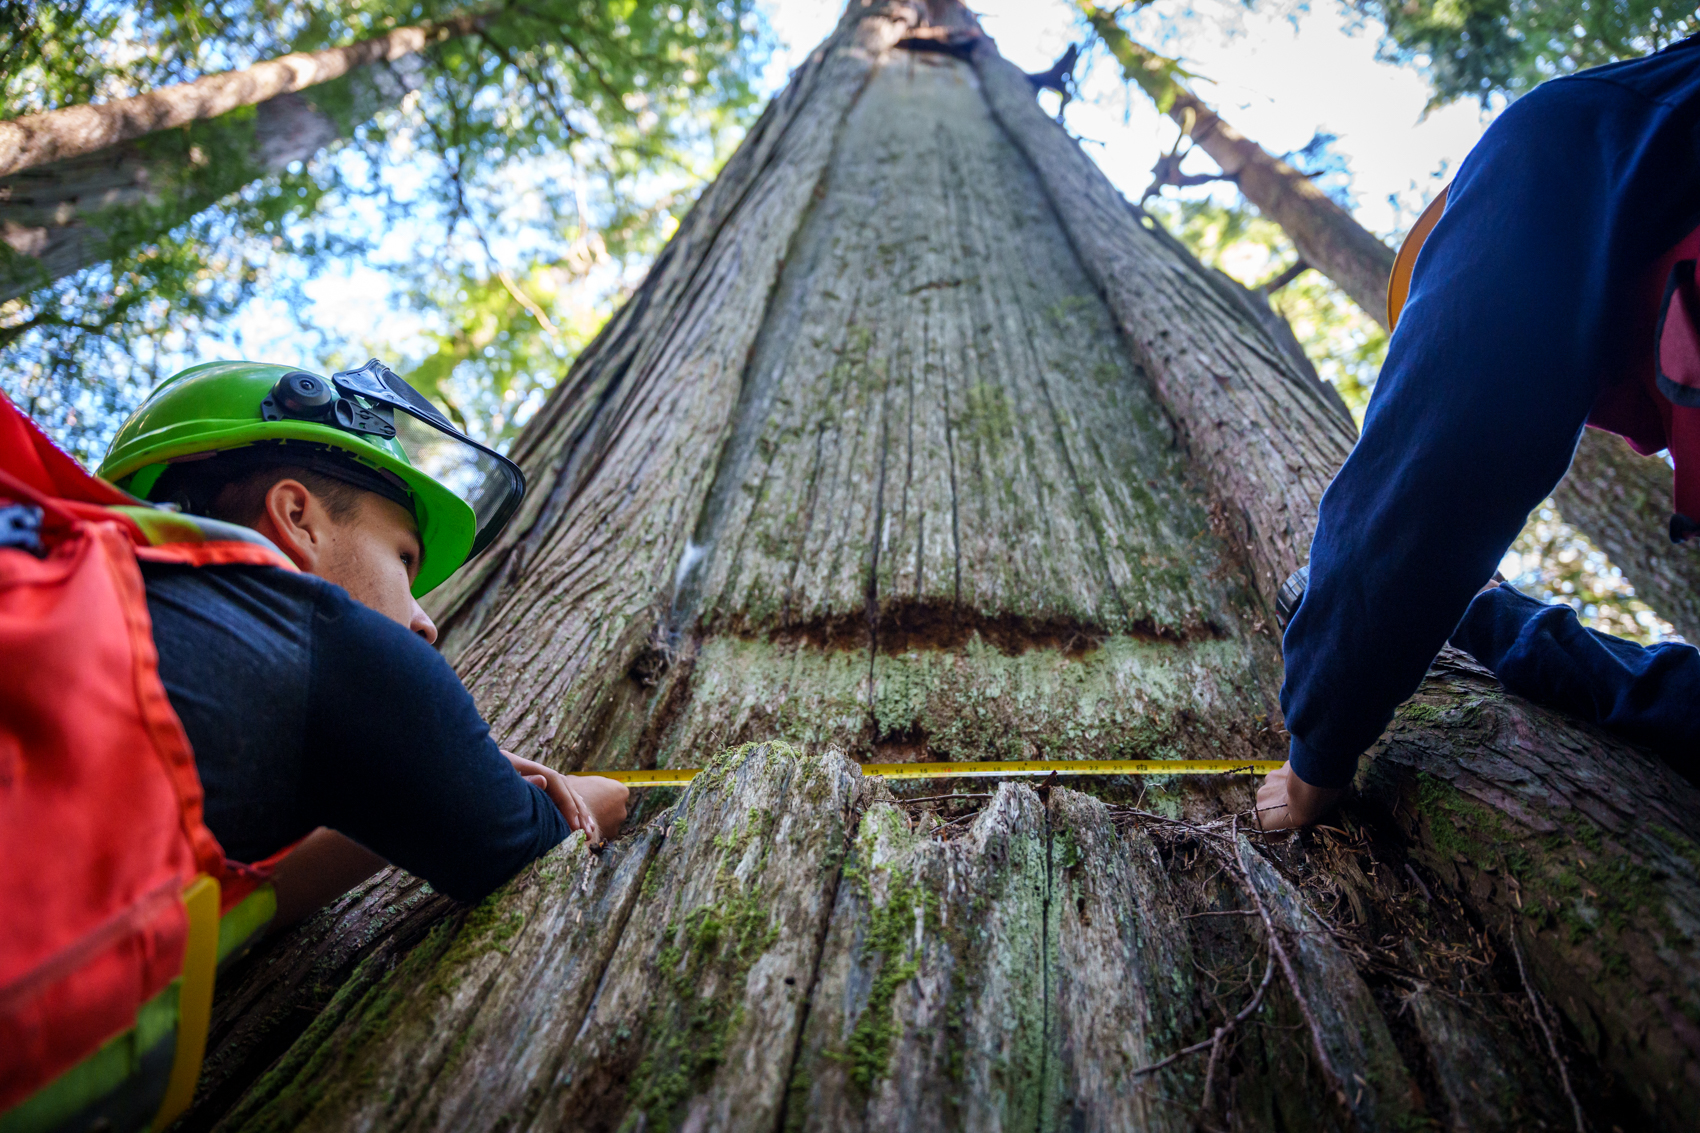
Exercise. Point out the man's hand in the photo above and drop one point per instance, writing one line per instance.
(606, 799)
(1285, 801)
(589, 803)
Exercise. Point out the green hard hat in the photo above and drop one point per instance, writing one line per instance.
(461, 492)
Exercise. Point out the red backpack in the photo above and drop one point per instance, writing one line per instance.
(116, 902)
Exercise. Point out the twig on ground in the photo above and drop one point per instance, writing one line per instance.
(1279, 950)
(1552, 1042)
(1225, 1029)
(936, 798)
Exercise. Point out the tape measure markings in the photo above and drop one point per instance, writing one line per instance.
(681, 776)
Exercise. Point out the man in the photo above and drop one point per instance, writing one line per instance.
(1557, 287)
(313, 701)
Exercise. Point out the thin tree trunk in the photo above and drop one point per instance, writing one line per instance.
(1325, 234)
(74, 131)
(918, 442)
(1619, 500)
(68, 215)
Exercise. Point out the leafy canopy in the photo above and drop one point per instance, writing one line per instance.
(1482, 48)
(560, 120)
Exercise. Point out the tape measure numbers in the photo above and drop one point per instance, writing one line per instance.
(680, 776)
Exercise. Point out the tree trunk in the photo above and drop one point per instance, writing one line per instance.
(1326, 236)
(77, 131)
(919, 442)
(68, 215)
(1620, 500)
(64, 215)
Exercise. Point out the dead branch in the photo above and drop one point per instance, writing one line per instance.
(1280, 951)
(1546, 1030)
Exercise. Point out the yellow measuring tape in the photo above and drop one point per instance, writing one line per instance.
(679, 777)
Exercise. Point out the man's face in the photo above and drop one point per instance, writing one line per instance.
(372, 552)
(374, 555)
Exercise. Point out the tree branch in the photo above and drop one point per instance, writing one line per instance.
(72, 131)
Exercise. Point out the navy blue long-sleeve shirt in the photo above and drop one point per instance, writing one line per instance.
(1522, 298)
(1648, 694)
(306, 709)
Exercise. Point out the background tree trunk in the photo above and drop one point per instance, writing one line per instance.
(1618, 499)
(1622, 501)
(919, 442)
(77, 131)
(62, 216)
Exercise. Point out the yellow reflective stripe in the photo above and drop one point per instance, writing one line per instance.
(680, 776)
(194, 1000)
(238, 927)
(161, 526)
(119, 1059)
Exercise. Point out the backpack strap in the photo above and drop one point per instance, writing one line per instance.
(194, 540)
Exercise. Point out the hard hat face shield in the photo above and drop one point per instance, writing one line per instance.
(376, 401)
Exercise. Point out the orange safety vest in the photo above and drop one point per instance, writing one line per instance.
(116, 902)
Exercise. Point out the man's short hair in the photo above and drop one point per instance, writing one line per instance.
(232, 486)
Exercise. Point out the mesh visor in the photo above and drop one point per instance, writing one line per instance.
(488, 481)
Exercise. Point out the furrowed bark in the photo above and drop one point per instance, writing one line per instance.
(918, 444)
(1585, 849)
(1268, 438)
(930, 1010)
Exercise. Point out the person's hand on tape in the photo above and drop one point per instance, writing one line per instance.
(590, 803)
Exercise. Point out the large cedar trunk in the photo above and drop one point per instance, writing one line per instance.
(920, 442)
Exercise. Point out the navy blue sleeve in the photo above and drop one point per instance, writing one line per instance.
(1649, 695)
(1517, 305)
(399, 759)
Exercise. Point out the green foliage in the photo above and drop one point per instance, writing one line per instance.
(537, 158)
(1480, 48)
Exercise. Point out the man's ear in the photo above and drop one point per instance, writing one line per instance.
(297, 522)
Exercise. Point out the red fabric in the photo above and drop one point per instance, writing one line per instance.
(28, 454)
(1633, 406)
(100, 803)
(1679, 335)
(96, 790)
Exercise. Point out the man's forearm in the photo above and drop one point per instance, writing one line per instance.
(1496, 363)
(1542, 652)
